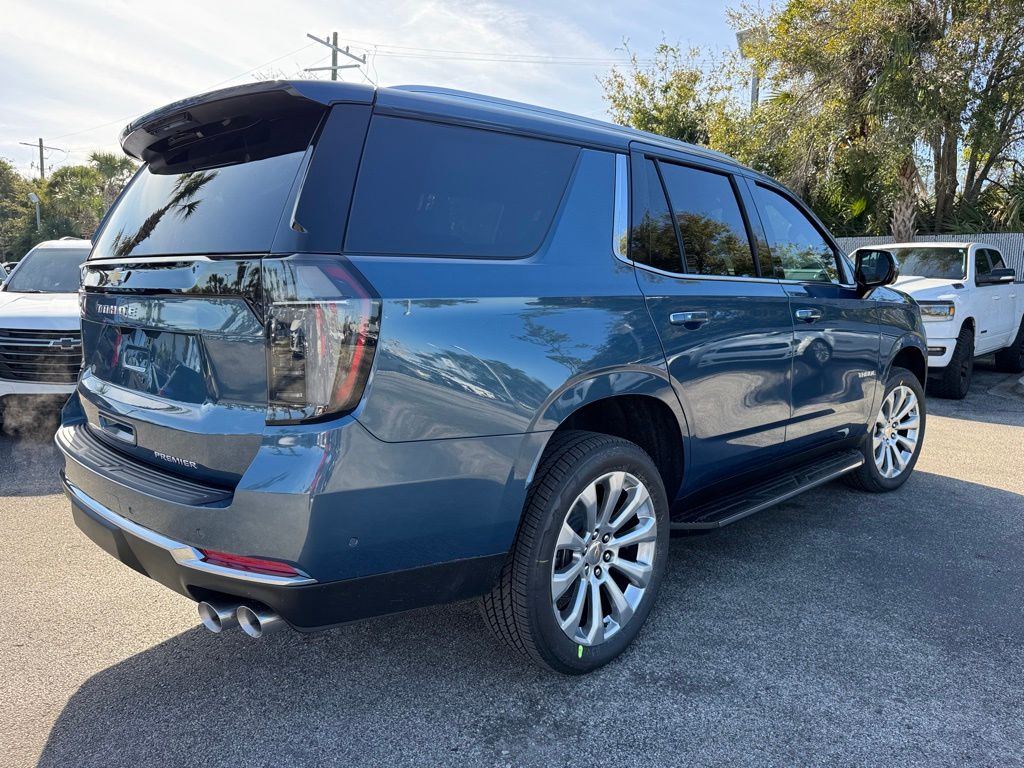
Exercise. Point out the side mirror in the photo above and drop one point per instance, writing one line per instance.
(998, 276)
(875, 267)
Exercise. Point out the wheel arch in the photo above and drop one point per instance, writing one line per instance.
(636, 405)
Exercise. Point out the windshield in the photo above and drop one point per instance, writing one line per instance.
(48, 270)
(939, 263)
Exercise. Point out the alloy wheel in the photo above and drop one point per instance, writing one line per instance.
(604, 558)
(895, 435)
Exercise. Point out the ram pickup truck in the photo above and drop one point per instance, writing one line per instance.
(971, 305)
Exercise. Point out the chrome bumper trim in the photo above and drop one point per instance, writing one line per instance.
(183, 554)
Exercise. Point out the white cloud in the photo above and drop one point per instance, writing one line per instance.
(75, 72)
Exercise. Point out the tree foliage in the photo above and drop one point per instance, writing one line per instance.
(883, 114)
(73, 199)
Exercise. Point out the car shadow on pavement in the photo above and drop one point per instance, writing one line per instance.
(803, 628)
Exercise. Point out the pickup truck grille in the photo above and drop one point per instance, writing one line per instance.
(51, 357)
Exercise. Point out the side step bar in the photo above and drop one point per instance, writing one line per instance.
(735, 506)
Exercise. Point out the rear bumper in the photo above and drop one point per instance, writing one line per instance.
(301, 601)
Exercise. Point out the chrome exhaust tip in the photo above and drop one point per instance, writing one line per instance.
(218, 615)
(257, 621)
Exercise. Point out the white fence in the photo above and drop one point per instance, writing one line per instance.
(1010, 244)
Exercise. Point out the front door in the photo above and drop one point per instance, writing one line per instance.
(727, 334)
(837, 334)
(997, 320)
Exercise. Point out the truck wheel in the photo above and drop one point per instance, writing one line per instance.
(589, 556)
(894, 438)
(1011, 359)
(954, 381)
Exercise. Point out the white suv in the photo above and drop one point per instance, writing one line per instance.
(971, 304)
(40, 332)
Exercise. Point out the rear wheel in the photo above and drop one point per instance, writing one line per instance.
(1011, 359)
(894, 438)
(954, 381)
(589, 556)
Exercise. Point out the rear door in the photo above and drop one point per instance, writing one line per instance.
(726, 332)
(837, 333)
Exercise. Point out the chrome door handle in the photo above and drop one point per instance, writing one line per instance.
(695, 319)
(808, 315)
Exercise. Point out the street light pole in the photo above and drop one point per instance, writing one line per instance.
(33, 197)
(755, 76)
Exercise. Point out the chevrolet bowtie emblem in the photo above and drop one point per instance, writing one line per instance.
(117, 276)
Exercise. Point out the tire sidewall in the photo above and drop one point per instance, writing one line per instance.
(558, 649)
(897, 377)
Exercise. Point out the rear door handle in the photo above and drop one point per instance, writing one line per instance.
(808, 315)
(689, 319)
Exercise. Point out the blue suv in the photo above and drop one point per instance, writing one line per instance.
(352, 351)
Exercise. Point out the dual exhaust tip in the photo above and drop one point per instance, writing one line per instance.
(255, 621)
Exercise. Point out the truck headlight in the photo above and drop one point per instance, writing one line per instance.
(937, 310)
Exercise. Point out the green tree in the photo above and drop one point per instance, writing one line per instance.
(663, 95)
(16, 211)
(883, 114)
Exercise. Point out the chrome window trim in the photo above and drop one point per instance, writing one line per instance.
(620, 209)
(183, 554)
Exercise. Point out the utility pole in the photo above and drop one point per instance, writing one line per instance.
(334, 56)
(335, 50)
(42, 162)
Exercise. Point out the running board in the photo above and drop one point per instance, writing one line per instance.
(735, 506)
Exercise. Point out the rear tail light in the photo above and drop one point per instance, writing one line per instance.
(251, 564)
(323, 321)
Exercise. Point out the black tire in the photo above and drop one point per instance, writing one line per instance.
(519, 608)
(1011, 359)
(954, 381)
(868, 477)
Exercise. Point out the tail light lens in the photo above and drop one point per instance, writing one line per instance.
(323, 321)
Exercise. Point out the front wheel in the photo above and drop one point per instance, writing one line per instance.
(954, 381)
(589, 556)
(895, 436)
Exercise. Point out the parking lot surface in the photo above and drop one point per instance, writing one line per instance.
(837, 629)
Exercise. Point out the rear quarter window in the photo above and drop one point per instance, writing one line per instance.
(442, 190)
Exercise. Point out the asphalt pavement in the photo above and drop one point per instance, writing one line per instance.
(837, 629)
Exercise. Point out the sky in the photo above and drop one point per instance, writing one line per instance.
(74, 73)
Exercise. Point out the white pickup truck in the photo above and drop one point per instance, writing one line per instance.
(971, 305)
(40, 336)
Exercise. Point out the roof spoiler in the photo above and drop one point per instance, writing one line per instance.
(193, 118)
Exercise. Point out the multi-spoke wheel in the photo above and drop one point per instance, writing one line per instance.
(603, 558)
(895, 435)
(894, 441)
(589, 555)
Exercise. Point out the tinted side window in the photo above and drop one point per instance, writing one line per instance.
(711, 225)
(654, 237)
(799, 251)
(445, 190)
(981, 266)
(996, 259)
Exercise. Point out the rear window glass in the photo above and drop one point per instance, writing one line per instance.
(441, 190)
(230, 209)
